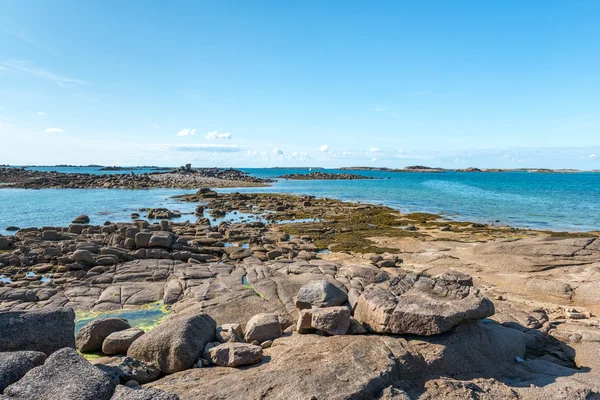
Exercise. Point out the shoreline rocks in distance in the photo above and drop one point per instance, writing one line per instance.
(183, 178)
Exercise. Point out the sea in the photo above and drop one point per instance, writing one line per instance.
(549, 201)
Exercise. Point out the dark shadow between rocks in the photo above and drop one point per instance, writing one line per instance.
(513, 355)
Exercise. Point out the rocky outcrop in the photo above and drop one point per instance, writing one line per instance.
(421, 305)
(44, 330)
(324, 176)
(65, 375)
(177, 343)
(187, 179)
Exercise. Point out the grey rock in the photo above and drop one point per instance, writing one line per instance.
(84, 256)
(263, 327)
(45, 330)
(119, 342)
(15, 364)
(331, 320)
(320, 293)
(420, 305)
(161, 239)
(235, 354)
(82, 219)
(142, 239)
(65, 375)
(92, 335)
(123, 369)
(177, 343)
(125, 393)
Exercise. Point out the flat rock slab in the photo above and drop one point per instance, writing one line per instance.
(65, 375)
(45, 330)
(333, 368)
(412, 304)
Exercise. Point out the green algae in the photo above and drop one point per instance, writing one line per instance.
(145, 317)
(248, 285)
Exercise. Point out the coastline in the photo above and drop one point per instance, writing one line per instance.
(251, 254)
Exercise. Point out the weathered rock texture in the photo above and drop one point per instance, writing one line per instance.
(177, 343)
(66, 376)
(421, 305)
(45, 330)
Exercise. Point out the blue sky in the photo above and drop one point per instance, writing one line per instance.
(304, 83)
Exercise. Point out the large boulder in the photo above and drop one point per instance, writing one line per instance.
(119, 342)
(15, 364)
(320, 293)
(177, 343)
(331, 320)
(84, 256)
(65, 375)
(235, 354)
(412, 304)
(263, 327)
(92, 335)
(125, 393)
(161, 239)
(45, 330)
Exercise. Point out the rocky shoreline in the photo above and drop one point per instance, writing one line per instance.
(352, 301)
(323, 176)
(183, 178)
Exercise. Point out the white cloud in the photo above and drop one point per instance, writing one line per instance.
(187, 132)
(28, 67)
(155, 126)
(373, 159)
(375, 150)
(278, 152)
(209, 148)
(217, 135)
(54, 130)
(379, 109)
(41, 113)
(324, 147)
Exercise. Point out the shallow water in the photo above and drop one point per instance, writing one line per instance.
(537, 200)
(145, 318)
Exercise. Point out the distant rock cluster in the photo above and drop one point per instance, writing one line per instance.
(185, 178)
(324, 176)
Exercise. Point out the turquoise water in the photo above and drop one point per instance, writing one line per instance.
(536, 200)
